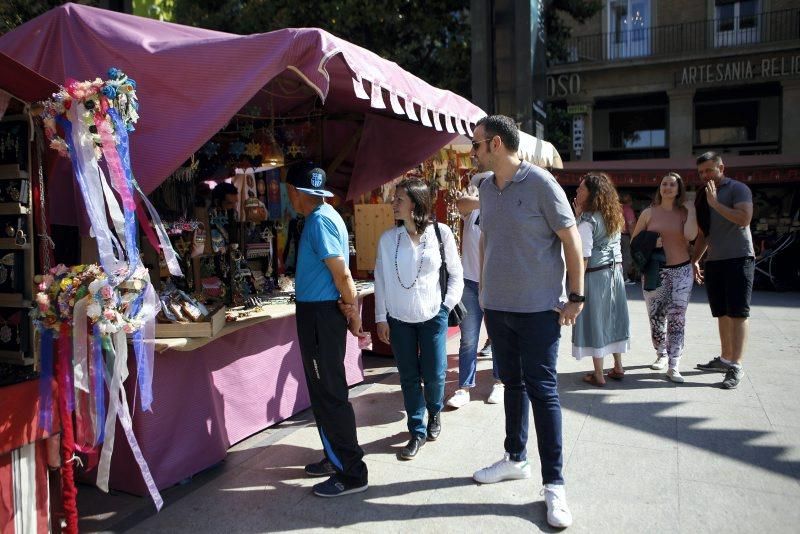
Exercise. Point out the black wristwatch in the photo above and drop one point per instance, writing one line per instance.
(574, 297)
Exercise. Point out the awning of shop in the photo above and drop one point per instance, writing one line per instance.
(539, 152)
(22, 83)
(750, 168)
(192, 81)
(531, 149)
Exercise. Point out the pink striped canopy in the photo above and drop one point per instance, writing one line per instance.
(192, 81)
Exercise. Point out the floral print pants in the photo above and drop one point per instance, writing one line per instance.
(666, 307)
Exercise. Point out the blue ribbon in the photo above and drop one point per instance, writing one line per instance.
(46, 381)
(99, 383)
(143, 371)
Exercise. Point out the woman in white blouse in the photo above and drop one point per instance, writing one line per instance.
(409, 311)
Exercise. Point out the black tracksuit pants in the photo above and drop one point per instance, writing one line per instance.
(322, 331)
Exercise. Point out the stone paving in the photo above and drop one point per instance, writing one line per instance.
(640, 455)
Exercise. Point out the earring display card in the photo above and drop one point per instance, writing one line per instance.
(11, 272)
(14, 330)
(14, 143)
(14, 191)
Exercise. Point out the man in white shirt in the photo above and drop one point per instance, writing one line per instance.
(469, 207)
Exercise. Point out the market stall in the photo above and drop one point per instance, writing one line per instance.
(285, 96)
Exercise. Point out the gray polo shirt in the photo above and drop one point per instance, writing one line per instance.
(729, 240)
(523, 262)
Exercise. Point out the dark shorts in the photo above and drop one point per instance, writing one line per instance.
(729, 284)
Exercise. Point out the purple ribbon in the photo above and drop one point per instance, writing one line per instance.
(46, 381)
(99, 382)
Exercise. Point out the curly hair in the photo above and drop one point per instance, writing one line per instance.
(420, 195)
(603, 199)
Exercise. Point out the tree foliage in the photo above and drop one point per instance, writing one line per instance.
(16, 12)
(429, 39)
(558, 31)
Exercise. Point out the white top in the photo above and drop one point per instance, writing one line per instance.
(422, 301)
(587, 242)
(470, 246)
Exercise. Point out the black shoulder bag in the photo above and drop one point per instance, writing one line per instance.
(459, 311)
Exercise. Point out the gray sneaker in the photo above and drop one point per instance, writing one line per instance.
(732, 377)
(716, 365)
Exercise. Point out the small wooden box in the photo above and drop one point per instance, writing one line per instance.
(207, 328)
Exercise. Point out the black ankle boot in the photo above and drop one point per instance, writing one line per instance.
(412, 448)
(434, 426)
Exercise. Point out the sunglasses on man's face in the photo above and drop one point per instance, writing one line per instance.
(476, 144)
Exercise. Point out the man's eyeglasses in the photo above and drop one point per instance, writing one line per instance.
(476, 144)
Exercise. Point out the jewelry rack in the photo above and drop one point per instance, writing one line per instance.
(16, 237)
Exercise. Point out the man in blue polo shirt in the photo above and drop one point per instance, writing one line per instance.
(323, 287)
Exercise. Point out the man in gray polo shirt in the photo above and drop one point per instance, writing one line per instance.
(730, 263)
(526, 221)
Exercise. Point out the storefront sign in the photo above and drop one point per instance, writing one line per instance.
(563, 85)
(578, 109)
(737, 71)
(577, 134)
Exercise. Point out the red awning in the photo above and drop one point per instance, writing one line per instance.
(22, 83)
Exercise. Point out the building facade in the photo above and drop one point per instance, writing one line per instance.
(651, 83)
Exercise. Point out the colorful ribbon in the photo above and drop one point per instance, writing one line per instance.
(46, 381)
(125, 160)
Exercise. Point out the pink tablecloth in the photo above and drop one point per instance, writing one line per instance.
(207, 399)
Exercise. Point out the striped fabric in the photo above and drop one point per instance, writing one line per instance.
(24, 490)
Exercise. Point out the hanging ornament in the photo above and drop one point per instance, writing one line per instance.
(253, 149)
(236, 149)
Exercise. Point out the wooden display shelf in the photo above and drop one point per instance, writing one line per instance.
(9, 243)
(16, 356)
(207, 328)
(14, 300)
(11, 171)
(12, 208)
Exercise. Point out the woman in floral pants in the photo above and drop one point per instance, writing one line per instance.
(674, 219)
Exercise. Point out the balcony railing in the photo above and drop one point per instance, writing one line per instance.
(676, 39)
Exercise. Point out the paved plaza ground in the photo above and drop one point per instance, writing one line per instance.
(640, 455)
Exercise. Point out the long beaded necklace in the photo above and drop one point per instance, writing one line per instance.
(419, 267)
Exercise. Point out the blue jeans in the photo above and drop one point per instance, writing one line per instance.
(470, 333)
(420, 351)
(525, 347)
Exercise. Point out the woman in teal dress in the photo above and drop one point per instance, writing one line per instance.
(603, 327)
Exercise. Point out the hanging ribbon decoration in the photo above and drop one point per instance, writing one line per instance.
(124, 157)
(117, 300)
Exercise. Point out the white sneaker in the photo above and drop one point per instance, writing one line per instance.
(675, 376)
(660, 363)
(505, 469)
(558, 514)
(497, 394)
(460, 398)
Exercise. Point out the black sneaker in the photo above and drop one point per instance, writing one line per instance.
(434, 426)
(716, 365)
(412, 448)
(323, 468)
(335, 487)
(732, 377)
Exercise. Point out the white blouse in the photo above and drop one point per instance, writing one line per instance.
(407, 275)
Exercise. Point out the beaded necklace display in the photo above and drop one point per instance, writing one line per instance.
(422, 242)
